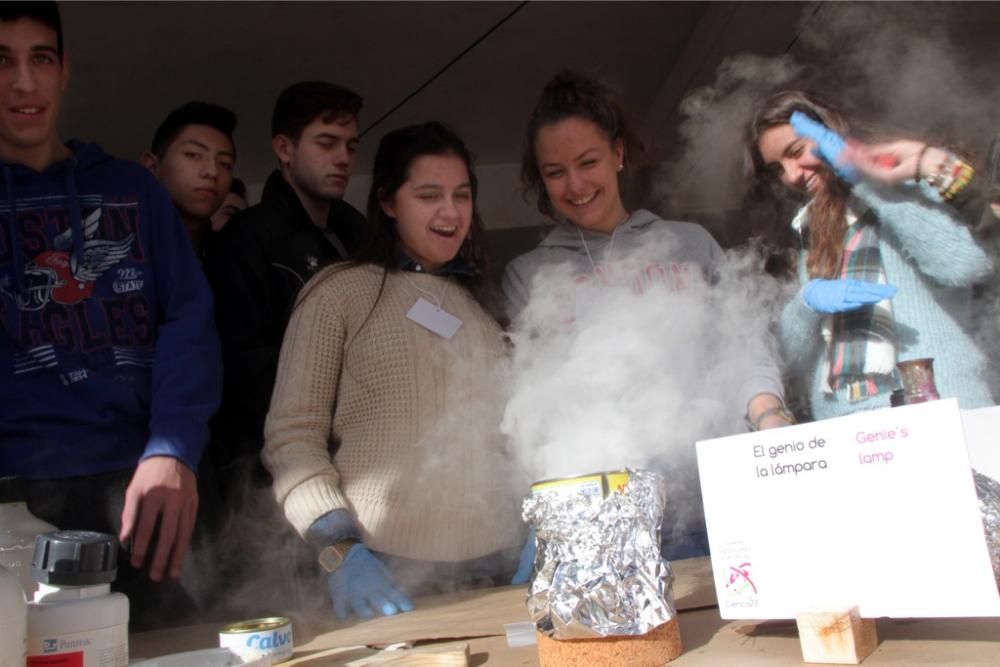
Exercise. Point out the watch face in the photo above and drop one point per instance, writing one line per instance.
(330, 559)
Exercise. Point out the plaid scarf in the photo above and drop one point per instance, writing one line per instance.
(861, 344)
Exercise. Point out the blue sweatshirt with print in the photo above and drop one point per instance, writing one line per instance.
(108, 349)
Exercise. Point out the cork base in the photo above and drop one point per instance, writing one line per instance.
(658, 646)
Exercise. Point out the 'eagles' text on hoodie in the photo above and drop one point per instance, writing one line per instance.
(107, 345)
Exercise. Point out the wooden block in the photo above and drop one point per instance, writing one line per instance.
(840, 638)
(653, 649)
(332, 657)
(427, 655)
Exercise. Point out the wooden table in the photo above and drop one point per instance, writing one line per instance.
(477, 617)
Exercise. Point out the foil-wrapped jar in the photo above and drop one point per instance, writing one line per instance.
(598, 569)
(988, 492)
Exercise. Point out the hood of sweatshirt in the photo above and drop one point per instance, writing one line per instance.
(569, 236)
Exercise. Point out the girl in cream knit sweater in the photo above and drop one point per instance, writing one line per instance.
(383, 435)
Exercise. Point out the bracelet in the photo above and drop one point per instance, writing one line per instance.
(946, 177)
(935, 178)
(920, 158)
(778, 410)
(961, 175)
(950, 177)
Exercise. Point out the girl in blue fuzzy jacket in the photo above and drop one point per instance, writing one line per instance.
(887, 266)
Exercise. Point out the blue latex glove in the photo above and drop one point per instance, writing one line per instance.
(829, 144)
(333, 527)
(526, 564)
(362, 586)
(839, 296)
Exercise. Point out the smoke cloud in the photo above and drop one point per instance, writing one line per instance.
(900, 68)
(622, 378)
(708, 173)
(907, 66)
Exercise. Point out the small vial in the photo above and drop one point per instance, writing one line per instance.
(917, 376)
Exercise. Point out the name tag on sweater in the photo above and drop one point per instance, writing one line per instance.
(435, 319)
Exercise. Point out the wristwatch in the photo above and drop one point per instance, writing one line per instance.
(332, 557)
(778, 410)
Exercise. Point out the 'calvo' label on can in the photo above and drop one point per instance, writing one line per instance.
(260, 637)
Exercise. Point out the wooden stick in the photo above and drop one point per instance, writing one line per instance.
(328, 656)
(430, 655)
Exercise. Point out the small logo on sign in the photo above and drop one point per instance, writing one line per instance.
(740, 583)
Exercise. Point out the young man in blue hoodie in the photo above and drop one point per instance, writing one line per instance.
(109, 356)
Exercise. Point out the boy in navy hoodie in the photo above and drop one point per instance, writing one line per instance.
(110, 360)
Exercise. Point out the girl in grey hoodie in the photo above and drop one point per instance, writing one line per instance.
(578, 151)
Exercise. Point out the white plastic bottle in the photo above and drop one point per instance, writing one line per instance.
(75, 620)
(13, 620)
(18, 530)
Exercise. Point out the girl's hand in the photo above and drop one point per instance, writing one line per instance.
(844, 295)
(830, 146)
(364, 587)
(894, 161)
(526, 563)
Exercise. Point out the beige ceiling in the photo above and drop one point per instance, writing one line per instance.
(133, 62)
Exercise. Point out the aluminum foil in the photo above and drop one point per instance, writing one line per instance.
(988, 491)
(598, 570)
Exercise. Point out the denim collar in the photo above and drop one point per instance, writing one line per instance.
(457, 267)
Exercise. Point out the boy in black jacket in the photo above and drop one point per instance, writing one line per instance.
(258, 262)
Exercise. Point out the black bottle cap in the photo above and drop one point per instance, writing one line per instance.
(12, 490)
(74, 558)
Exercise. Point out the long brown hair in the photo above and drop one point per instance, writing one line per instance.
(397, 151)
(828, 209)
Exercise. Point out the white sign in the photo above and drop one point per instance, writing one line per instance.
(877, 509)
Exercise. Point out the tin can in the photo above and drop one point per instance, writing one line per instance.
(595, 484)
(259, 637)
